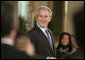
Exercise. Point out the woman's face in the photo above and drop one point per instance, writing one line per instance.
(65, 40)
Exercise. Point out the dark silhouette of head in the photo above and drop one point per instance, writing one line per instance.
(8, 18)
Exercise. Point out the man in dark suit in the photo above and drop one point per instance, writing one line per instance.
(9, 26)
(42, 36)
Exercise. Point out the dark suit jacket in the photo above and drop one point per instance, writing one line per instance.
(9, 52)
(41, 43)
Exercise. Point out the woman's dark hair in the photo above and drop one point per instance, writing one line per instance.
(69, 45)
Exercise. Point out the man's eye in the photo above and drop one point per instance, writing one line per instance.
(46, 16)
(40, 16)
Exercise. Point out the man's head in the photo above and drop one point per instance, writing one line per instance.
(9, 23)
(43, 16)
(21, 40)
(23, 43)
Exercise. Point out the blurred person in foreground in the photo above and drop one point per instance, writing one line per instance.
(9, 27)
(23, 43)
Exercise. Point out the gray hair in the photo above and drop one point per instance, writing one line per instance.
(44, 8)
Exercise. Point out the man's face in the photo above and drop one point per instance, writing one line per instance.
(43, 18)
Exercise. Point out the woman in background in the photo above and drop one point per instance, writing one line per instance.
(75, 47)
(64, 47)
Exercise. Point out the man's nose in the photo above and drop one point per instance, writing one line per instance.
(43, 18)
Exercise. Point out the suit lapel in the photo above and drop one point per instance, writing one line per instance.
(44, 38)
(52, 41)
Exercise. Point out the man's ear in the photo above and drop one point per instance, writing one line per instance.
(50, 18)
(16, 25)
(36, 17)
(14, 30)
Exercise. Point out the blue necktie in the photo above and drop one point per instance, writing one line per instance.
(49, 38)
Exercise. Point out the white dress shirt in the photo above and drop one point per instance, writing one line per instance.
(42, 29)
(7, 41)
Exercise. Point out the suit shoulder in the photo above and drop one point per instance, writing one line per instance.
(31, 32)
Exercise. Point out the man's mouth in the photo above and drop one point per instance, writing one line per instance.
(44, 22)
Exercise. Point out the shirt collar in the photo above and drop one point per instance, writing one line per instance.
(43, 29)
(7, 41)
